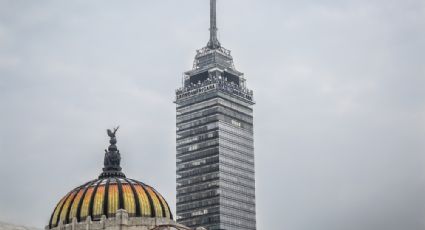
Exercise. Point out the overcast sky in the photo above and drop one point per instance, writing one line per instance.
(339, 86)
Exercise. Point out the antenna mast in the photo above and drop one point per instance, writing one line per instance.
(213, 43)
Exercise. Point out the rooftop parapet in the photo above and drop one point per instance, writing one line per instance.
(214, 83)
(121, 221)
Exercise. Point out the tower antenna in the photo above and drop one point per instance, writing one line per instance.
(213, 43)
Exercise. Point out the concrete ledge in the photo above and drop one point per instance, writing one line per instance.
(121, 221)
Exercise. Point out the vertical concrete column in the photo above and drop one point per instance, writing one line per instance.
(88, 223)
(74, 223)
(122, 219)
(102, 221)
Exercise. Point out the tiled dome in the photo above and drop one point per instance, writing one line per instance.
(109, 193)
(105, 197)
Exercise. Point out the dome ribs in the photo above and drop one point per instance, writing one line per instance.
(57, 211)
(74, 206)
(68, 209)
(106, 198)
(165, 204)
(58, 218)
(153, 213)
(51, 217)
(80, 203)
(113, 198)
(92, 199)
(159, 201)
(62, 204)
(145, 205)
(136, 197)
(120, 195)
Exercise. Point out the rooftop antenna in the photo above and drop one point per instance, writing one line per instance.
(213, 43)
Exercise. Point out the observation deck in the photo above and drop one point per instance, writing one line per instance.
(215, 83)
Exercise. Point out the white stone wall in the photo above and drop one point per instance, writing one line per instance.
(123, 222)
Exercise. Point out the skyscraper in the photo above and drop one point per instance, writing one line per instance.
(215, 149)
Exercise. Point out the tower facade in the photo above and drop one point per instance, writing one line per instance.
(215, 148)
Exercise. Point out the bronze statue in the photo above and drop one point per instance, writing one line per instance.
(112, 155)
(112, 134)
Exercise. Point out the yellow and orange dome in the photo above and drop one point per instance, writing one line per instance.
(109, 193)
(105, 197)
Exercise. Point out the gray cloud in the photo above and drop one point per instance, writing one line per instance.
(340, 114)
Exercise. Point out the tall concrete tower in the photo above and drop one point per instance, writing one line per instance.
(215, 146)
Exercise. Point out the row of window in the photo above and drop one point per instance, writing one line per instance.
(236, 123)
(194, 107)
(229, 128)
(197, 188)
(197, 155)
(197, 163)
(229, 187)
(237, 164)
(237, 141)
(237, 172)
(202, 129)
(188, 215)
(198, 122)
(237, 147)
(214, 110)
(197, 204)
(208, 216)
(237, 205)
(201, 137)
(194, 147)
(225, 163)
(202, 216)
(231, 156)
(194, 115)
(246, 139)
(204, 220)
(191, 108)
(237, 213)
(212, 118)
(243, 139)
(198, 171)
(198, 196)
(237, 180)
(237, 197)
(236, 115)
(208, 136)
(249, 200)
(236, 106)
(235, 186)
(200, 179)
(226, 155)
(236, 224)
(226, 187)
(237, 153)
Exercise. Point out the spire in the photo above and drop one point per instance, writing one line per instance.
(112, 159)
(213, 43)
